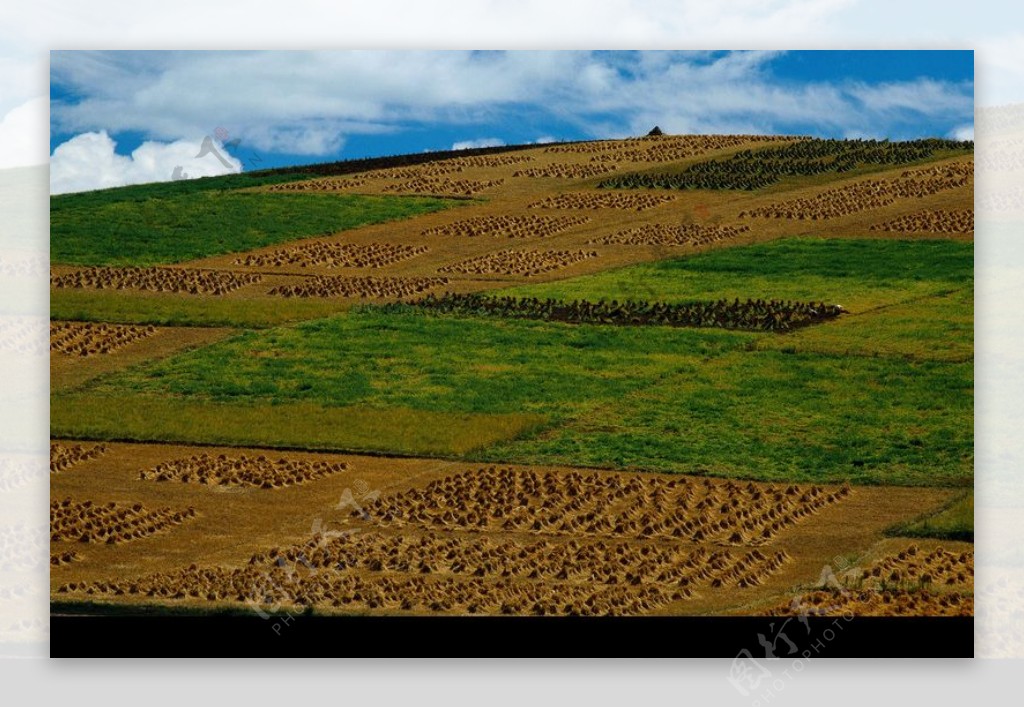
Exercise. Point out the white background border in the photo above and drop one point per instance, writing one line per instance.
(993, 29)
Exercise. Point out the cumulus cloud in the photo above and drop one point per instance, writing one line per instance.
(478, 143)
(90, 161)
(23, 134)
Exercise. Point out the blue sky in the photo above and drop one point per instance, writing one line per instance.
(124, 117)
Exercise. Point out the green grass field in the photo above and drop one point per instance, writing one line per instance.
(882, 395)
(428, 363)
(931, 328)
(181, 225)
(859, 274)
(298, 425)
(175, 188)
(774, 416)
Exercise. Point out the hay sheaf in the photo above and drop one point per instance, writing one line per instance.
(64, 457)
(631, 201)
(190, 281)
(368, 287)
(335, 255)
(528, 226)
(112, 522)
(84, 339)
(525, 263)
(259, 471)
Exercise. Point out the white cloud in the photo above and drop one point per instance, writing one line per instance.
(308, 102)
(478, 143)
(545, 139)
(963, 132)
(924, 96)
(23, 134)
(89, 161)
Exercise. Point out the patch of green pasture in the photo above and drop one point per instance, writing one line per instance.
(882, 397)
(196, 224)
(776, 416)
(859, 274)
(175, 188)
(300, 425)
(938, 328)
(430, 363)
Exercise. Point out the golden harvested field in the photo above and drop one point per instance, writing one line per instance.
(214, 527)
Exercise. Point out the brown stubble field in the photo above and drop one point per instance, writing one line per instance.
(235, 522)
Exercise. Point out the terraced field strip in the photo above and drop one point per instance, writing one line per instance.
(81, 351)
(522, 263)
(369, 287)
(871, 194)
(932, 221)
(759, 168)
(672, 235)
(170, 280)
(152, 225)
(334, 255)
(603, 200)
(528, 226)
(441, 187)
